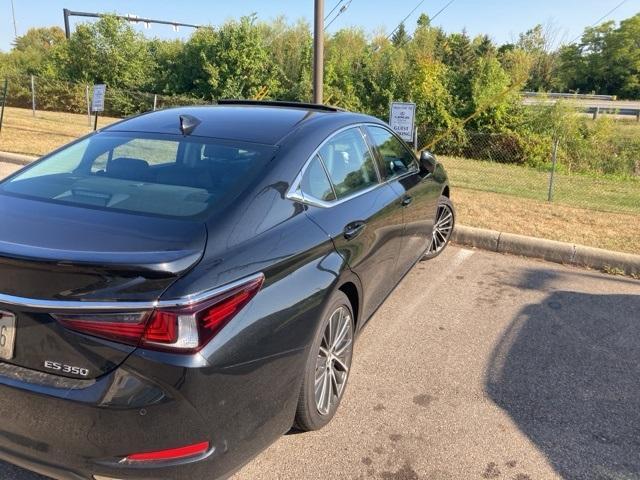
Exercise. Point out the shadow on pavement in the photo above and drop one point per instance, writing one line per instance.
(567, 371)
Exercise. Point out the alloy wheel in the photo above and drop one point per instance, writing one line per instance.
(441, 230)
(334, 360)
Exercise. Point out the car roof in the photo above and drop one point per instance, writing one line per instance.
(251, 122)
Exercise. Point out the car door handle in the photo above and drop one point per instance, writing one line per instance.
(354, 229)
(407, 201)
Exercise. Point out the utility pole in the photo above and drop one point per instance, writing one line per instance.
(318, 51)
(13, 14)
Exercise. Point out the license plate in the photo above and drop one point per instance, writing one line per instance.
(7, 334)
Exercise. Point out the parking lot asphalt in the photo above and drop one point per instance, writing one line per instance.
(481, 366)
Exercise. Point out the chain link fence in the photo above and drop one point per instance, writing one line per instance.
(602, 178)
(46, 94)
(41, 113)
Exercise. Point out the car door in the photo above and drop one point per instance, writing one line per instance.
(363, 216)
(419, 192)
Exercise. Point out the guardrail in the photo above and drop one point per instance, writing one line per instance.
(590, 104)
(595, 111)
(576, 96)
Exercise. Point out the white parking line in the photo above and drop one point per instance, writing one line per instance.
(460, 257)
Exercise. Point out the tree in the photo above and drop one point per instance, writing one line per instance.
(233, 60)
(400, 36)
(539, 43)
(606, 61)
(533, 40)
(491, 96)
(32, 51)
(291, 50)
(433, 100)
(459, 57)
(346, 51)
(40, 39)
(108, 51)
(424, 21)
(623, 52)
(484, 46)
(168, 63)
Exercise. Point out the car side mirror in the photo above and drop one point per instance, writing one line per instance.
(428, 162)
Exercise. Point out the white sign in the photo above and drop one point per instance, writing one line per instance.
(97, 103)
(402, 119)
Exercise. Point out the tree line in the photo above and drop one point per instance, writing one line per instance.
(458, 82)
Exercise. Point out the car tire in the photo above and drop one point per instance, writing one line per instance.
(327, 367)
(442, 228)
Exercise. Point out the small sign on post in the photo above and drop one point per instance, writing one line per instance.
(33, 96)
(402, 120)
(3, 101)
(97, 102)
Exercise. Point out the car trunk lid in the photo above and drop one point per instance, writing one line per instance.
(56, 258)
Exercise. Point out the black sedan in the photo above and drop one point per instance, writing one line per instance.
(181, 288)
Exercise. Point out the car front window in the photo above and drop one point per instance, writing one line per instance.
(395, 157)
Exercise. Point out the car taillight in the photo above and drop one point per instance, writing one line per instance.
(180, 329)
(169, 454)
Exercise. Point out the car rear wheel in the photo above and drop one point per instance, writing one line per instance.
(442, 228)
(328, 366)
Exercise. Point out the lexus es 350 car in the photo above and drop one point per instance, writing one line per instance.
(181, 288)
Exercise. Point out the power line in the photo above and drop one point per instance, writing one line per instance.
(442, 10)
(405, 19)
(13, 14)
(430, 19)
(332, 10)
(340, 12)
(602, 18)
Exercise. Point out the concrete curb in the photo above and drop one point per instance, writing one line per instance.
(16, 158)
(550, 250)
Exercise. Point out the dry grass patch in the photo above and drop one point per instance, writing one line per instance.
(505, 213)
(23, 133)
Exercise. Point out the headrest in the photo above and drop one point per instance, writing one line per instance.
(219, 151)
(128, 169)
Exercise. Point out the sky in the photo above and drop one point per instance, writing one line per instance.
(502, 20)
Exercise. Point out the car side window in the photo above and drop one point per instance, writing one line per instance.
(315, 183)
(395, 158)
(349, 164)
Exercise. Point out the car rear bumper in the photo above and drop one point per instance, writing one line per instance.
(81, 429)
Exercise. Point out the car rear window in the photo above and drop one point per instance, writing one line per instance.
(151, 174)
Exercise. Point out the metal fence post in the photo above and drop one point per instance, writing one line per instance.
(88, 106)
(4, 100)
(33, 96)
(554, 159)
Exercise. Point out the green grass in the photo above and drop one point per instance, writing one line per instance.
(627, 129)
(603, 194)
